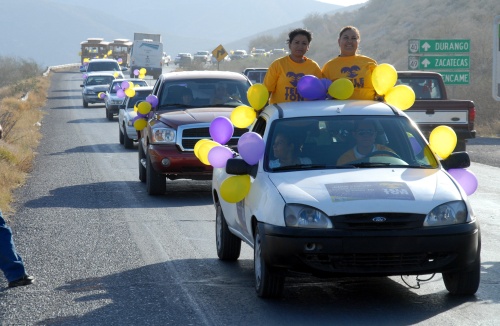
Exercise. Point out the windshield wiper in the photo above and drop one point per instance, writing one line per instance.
(309, 167)
(173, 105)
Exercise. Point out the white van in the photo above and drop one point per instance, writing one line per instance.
(146, 54)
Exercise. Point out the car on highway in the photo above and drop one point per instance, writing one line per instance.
(106, 65)
(239, 54)
(345, 188)
(258, 53)
(183, 59)
(185, 109)
(127, 113)
(202, 56)
(94, 84)
(114, 99)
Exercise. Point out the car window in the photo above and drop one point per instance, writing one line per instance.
(99, 80)
(138, 97)
(347, 141)
(424, 88)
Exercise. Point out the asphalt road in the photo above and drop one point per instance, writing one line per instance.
(106, 253)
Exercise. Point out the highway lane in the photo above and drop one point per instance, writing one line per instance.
(106, 253)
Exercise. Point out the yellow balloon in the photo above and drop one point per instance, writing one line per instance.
(243, 116)
(341, 89)
(130, 92)
(442, 141)
(116, 74)
(140, 124)
(204, 149)
(401, 96)
(135, 107)
(142, 71)
(130, 84)
(235, 188)
(142, 76)
(198, 145)
(86, 60)
(110, 52)
(144, 107)
(384, 77)
(258, 95)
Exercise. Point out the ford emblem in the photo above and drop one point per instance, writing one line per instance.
(379, 219)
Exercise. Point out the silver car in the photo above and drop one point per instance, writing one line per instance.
(93, 84)
(127, 114)
(113, 101)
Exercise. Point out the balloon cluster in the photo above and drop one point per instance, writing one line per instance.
(250, 145)
(143, 108)
(140, 73)
(311, 87)
(384, 78)
(125, 88)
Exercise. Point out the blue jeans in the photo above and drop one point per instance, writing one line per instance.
(11, 263)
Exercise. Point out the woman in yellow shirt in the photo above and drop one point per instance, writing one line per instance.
(351, 65)
(284, 73)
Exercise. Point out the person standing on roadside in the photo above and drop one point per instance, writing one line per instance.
(352, 65)
(11, 263)
(284, 73)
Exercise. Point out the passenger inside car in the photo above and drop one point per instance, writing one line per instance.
(286, 150)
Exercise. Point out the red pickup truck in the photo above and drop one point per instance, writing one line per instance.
(433, 108)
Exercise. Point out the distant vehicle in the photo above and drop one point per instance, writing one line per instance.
(147, 53)
(166, 59)
(183, 59)
(258, 53)
(127, 132)
(256, 75)
(93, 48)
(119, 50)
(113, 101)
(278, 52)
(202, 56)
(95, 83)
(106, 65)
(239, 54)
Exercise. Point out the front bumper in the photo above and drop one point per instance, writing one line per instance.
(92, 98)
(371, 253)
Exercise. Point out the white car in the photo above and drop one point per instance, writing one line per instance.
(395, 211)
(127, 114)
(113, 101)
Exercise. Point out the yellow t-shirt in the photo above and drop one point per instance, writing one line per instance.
(356, 68)
(283, 75)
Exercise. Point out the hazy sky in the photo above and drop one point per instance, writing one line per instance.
(343, 2)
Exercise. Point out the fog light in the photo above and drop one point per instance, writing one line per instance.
(165, 162)
(310, 246)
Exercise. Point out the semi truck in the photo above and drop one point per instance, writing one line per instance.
(147, 53)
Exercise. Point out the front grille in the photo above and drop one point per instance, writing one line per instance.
(378, 221)
(189, 135)
(376, 262)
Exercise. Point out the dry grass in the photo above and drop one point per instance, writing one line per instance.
(20, 121)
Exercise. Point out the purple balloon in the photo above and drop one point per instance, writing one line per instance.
(466, 179)
(326, 82)
(140, 115)
(221, 130)
(251, 147)
(153, 100)
(136, 72)
(125, 84)
(311, 88)
(116, 87)
(219, 155)
(85, 76)
(120, 93)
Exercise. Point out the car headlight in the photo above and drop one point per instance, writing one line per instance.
(302, 216)
(163, 136)
(88, 92)
(454, 212)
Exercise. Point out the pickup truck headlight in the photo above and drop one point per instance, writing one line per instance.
(302, 216)
(163, 136)
(454, 212)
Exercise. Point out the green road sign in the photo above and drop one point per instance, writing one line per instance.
(438, 62)
(456, 77)
(438, 46)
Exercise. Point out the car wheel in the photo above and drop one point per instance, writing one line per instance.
(228, 245)
(460, 147)
(127, 142)
(142, 168)
(465, 282)
(109, 115)
(85, 104)
(120, 135)
(268, 283)
(156, 183)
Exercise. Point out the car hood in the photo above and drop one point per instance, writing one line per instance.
(368, 190)
(193, 115)
(98, 88)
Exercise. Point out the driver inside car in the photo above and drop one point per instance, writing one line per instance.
(364, 134)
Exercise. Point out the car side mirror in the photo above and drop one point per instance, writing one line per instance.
(456, 160)
(124, 68)
(82, 85)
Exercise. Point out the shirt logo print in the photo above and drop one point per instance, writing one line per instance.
(294, 78)
(352, 72)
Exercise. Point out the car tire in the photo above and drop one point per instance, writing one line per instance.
(460, 147)
(127, 142)
(85, 104)
(142, 168)
(120, 136)
(269, 283)
(156, 184)
(109, 115)
(228, 245)
(464, 282)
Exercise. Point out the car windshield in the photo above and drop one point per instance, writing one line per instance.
(117, 85)
(203, 93)
(346, 142)
(99, 80)
(138, 97)
(103, 66)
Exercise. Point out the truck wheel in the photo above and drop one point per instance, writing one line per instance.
(156, 184)
(228, 245)
(268, 283)
(464, 283)
(460, 146)
(127, 142)
(120, 135)
(85, 104)
(142, 168)
(109, 115)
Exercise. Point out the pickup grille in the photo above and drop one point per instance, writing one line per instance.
(189, 135)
